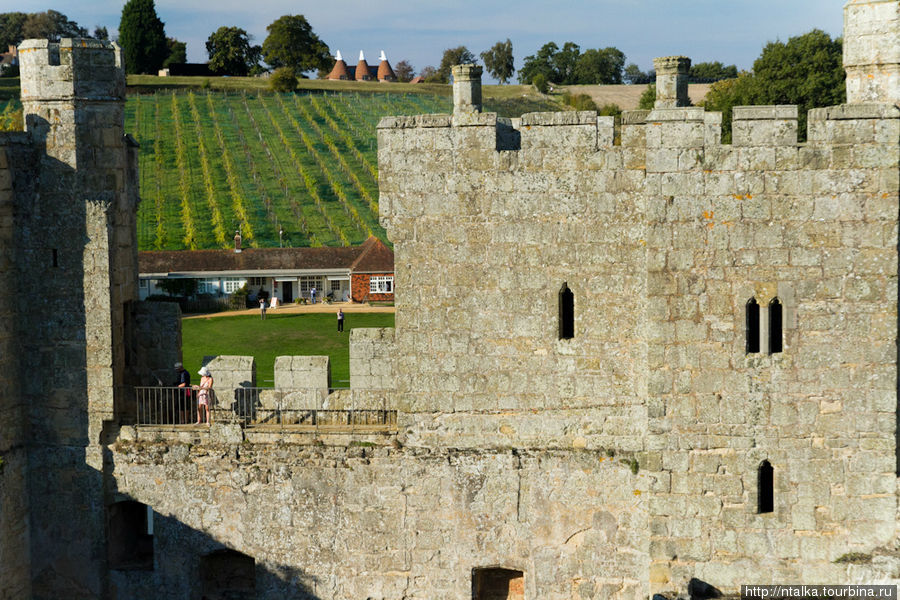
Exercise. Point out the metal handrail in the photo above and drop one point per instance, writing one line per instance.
(298, 409)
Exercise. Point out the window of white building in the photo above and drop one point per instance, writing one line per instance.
(233, 284)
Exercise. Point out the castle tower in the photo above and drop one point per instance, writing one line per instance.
(76, 259)
(872, 51)
(466, 89)
(672, 81)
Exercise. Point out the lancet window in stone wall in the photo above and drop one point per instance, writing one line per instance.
(752, 326)
(775, 326)
(130, 542)
(498, 584)
(765, 488)
(566, 313)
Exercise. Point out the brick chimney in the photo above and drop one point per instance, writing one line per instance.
(237, 241)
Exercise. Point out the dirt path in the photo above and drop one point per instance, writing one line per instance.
(292, 308)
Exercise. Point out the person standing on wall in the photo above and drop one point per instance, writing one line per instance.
(340, 319)
(206, 383)
(262, 309)
(182, 398)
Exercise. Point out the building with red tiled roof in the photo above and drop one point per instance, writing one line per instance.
(358, 273)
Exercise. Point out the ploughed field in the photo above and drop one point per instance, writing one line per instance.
(304, 164)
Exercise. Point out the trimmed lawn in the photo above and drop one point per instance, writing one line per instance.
(283, 334)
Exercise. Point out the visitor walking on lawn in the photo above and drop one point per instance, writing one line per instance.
(340, 316)
(262, 309)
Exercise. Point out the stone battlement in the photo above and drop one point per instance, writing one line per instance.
(73, 68)
(683, 127)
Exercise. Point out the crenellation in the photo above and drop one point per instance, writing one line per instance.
(764, 126)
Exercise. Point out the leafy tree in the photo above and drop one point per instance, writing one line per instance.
(142, 37)
(540, 83)
(539, 64)
(452, 57)
(177, 52)
(404, 71)
(648, 98)
(283, 80)
(292, 43)
(499, 61)
(807, 70)
(230, 52)
(706, 72)
(11, 29)
(430, 75)
(635, 76)
(51, 25)
(600, 66)
(569, 66)
(564, 63)
(100, 33)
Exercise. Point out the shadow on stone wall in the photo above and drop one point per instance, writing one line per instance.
(188, 564)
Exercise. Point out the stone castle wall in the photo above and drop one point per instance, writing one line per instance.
(68, 191)
(663, 240)
(578, 399)
(333, 523)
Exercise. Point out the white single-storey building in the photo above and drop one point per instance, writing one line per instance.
(357, 273)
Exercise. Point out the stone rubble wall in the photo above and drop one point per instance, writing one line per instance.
(386, 523)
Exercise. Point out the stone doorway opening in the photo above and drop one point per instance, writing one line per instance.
(495, 583)
(228, 575)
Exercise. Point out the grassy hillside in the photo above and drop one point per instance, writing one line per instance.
(214, 161)
(219, 154)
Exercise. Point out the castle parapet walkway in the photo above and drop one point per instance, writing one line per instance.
(295, 410)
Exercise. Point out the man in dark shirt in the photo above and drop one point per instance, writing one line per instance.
(183, 399)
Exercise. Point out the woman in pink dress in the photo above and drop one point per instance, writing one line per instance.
(206, 383)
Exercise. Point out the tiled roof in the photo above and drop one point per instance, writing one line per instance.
(339, 71)
(372, 253)
(375, 258)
